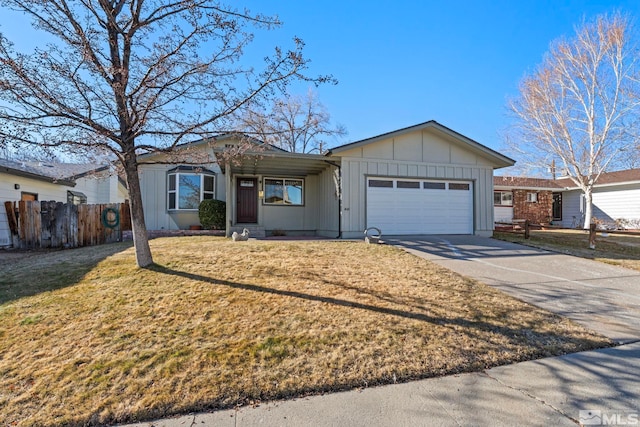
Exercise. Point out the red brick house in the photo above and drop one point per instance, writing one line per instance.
(616, 200)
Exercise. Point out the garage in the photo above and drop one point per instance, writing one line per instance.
(419, 206)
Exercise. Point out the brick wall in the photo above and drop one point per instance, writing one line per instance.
(535, 212)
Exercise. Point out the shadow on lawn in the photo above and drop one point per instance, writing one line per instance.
(518, 333)
(24, 274)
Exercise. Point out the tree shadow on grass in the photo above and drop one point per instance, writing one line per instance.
(473, 326)
(24, 274)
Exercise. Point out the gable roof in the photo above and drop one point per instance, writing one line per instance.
(56, 173)
(500, 159)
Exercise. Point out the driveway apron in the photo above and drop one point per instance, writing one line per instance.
(602, 297)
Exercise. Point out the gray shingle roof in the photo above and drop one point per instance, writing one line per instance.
(63, 173)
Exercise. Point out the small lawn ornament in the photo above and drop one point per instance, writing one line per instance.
(372, 235)
(240, 237)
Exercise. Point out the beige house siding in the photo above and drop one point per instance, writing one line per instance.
(423, 153)
(328, 205)
(153, 185)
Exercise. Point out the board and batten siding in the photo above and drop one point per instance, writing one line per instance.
(354, 189)
(422, 154)
(153, 186)
(328, 194)
(291, 218)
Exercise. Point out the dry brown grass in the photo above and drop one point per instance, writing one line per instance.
(217, 324)
(616, 249)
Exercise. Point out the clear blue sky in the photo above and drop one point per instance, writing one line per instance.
(403, 62)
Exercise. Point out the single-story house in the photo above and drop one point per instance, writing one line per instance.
(423, 179)
(616, 200)
(62, 182)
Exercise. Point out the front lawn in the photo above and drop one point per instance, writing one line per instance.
(616, 249)
(218, 324)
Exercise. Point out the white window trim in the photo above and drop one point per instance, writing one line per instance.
(502, 193)
(177, 189)
(532, 197)
(283, 179)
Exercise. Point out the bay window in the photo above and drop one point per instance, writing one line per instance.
(188, 186)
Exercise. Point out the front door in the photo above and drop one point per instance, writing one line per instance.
(557, 206)
(247, 200)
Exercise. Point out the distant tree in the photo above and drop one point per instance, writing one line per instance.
(132, 76)
(299, 124)
(580, 106)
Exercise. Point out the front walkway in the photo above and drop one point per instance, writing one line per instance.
(602, 297)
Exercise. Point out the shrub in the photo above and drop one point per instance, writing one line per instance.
(212, 214)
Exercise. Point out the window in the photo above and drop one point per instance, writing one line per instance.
(186, 189)
(408, 184)
(380, 183)
(504, 198)
(283, 191)
(434, 185)
(455, 186)
(76, 197)
(532, 197)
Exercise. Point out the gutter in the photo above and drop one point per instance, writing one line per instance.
(24, 174)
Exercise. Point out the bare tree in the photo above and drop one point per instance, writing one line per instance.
(580, 106)
(299, 124)
(132, 76)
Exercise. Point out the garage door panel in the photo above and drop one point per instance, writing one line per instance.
(434, 207)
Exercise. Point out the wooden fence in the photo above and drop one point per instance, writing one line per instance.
(64, 225)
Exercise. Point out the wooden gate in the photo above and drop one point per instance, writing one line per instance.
(64, 225)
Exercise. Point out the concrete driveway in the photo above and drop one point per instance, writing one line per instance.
(602, 297)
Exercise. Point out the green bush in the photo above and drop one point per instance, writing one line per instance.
(212, 214)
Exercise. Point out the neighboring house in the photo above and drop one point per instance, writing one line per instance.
(616, 200)
(62, 182)
(424, 179)
(537, 199)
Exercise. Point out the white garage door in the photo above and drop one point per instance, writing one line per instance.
(405, 206)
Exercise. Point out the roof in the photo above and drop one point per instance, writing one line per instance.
(606, 178)
(278, 163)
(619, 177)
(218, 138)
(525, 182)
(57, 173)
(500, 159)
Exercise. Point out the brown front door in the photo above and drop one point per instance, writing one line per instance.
(247, 200)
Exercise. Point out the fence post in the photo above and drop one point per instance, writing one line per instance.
(526, 229)
(592, 236)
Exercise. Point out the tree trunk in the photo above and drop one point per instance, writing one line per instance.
(140, 238)
(588, 207)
